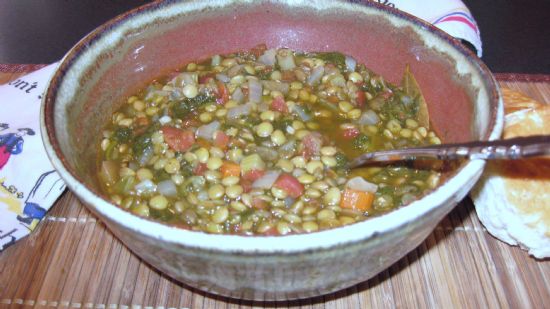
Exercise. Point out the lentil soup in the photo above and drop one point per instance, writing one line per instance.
(257, 143)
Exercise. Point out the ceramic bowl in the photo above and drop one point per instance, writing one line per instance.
(127, 52)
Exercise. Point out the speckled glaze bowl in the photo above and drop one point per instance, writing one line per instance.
(124, 54)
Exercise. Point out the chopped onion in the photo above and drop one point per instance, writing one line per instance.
(273, 85)
(350, 64)
(167, 187)
(288, 149)
(109, 171)
(216, 60)
(238, 111)
(267, 154)
(301, 111)
(222, 78)
(176, 94)
(145, 156)
(202, 195)
(316, 75)
(268, 58)
(360, 184)
(254, 90)
(207, 131)
(369, 117)
(165, 119)
(338, 80)
(234, 70)
(289, 201)
(262, 107)
(146, 186)
(238, 95)
(266, 181)
(297, 172)
(285, 58)
(160, 93)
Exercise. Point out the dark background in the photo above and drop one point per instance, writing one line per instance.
(515, 33)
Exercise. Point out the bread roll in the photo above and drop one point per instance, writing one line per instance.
(512, 198)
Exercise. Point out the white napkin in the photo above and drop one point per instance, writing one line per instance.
(29, 184)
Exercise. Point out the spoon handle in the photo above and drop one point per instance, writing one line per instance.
(510, 149)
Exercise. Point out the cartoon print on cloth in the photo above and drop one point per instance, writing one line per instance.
(28, 183)
(12, 143)
(48, 183)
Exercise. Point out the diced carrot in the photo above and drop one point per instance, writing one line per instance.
(221, 140)
(229, 168)
(178, 139)
(259, 203)
(223, 93)
(252, 175)
(350, 133)
(290, 185)
(333, 99)
(355, 199)
(278, 104)
(201, 142)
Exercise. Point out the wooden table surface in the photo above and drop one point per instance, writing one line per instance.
(72, 261)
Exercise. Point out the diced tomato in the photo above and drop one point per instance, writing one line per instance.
(252, 175)
(178, 139)
(206, 78)
(200, 169)
(172, 75)
(230, 169)
(350, 133)
(258, 203)
(223, 93)
(290, 185)
(246, 184)
(221, 140)
(278, 104)
(386, 94)
(361, 99)
(288, 76)
(142, 121)
(258, 50)
(312, 145)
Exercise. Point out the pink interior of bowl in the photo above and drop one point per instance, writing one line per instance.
(128, 53)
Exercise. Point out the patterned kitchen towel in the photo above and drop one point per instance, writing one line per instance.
(29, 184)
(451, 16)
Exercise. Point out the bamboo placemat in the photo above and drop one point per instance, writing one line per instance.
(72, 261)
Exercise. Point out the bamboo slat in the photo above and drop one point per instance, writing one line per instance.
(73, 261)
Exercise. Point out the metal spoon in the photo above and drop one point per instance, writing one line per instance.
(507, 149)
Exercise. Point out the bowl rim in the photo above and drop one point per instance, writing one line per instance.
(259, 244)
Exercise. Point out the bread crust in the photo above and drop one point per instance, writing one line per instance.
(512, 198)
